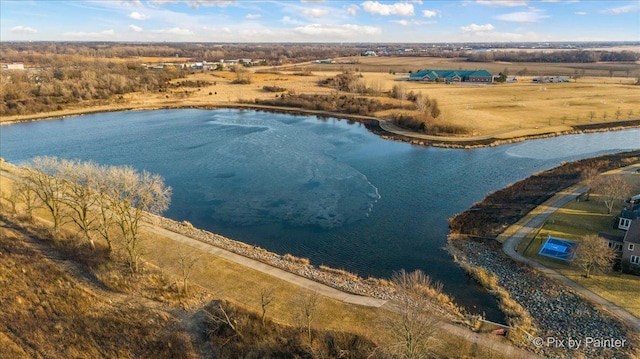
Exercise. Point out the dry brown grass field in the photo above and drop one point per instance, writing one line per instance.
(502, 111)
(154, 313)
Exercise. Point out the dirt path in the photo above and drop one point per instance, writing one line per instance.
(534, 220)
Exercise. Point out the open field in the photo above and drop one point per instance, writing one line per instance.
(502, 111)
(575, 220)
(403, 65)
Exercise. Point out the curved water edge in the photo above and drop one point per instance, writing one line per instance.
(392, 199)
(373, 124)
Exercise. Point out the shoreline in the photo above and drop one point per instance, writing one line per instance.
(378, 126)
(536, 293)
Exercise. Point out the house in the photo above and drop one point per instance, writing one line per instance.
(631, 249)
(554, 79)
(451, 76)
(13, 66)
(629, 214)
(368, 53)
(627, 246)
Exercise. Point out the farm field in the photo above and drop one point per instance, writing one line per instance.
(502, 111)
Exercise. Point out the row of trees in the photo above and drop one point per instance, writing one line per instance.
(99, 200)
(52, 88)
(109, 203)
(581, 56)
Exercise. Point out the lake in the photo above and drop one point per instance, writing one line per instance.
(325, 189)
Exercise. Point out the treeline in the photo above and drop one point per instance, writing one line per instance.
(330, 103)
(350, 81)
(274, 54)
(98, 200)
(581, 56)
(54, 88)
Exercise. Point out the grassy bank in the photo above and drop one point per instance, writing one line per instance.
(491, 216)
(184, 328)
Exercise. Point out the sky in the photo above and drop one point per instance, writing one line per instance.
(405, 21)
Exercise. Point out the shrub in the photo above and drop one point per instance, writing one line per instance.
(274, 89)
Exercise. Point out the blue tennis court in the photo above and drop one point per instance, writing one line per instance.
(559, 249)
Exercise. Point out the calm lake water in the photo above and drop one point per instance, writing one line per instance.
(323, 189)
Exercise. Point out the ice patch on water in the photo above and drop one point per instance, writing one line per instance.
(568, 146)
(285, 173)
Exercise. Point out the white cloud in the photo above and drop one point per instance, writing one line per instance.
(400, 9)
(622, 9)
(135, 28)
(174, 31)
(508, 3)
(477, 28)
(138, 16)
(404, 22)
(289, 21)
(315, 12)
(429, 13)
(581, 13)
(528, 17)
(195, 4)
(343, 31)
(353, 9)
(253, 16)
(90, 35)
(23, 30)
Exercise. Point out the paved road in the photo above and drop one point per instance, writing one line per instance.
(535, 221)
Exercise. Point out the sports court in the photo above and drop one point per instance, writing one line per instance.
(559, 249)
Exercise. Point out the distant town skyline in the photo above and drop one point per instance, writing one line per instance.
(320, 21)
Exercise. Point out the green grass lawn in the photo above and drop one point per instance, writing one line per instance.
(574, 221)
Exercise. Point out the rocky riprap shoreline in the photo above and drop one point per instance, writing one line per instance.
(558, 312)
(336, 278)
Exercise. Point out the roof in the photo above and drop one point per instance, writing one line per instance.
(611, 237)
(628, 214)
(449, 74)
(633, 234)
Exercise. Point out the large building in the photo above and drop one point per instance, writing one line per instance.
(453, 76)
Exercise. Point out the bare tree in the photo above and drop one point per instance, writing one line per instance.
(411, 324)
(594, 253)
(590, 177)
(243, 76)
(79, 196)
(219, 316)
(612, 188)
(24, 193)
(132, 195)
(187, 260)
(43, 178)
(618, 113)
(266, 298)
(307, 306)
(103, 187)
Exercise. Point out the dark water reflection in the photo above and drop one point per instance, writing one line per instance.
(322, 189)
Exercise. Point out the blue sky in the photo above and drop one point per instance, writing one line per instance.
(320, 21)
